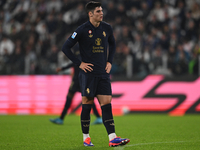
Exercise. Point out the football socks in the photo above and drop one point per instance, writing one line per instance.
(85, 118)
(108, 118)
(85, 136)
(112, 136)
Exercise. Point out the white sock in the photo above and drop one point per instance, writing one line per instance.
(85, 136)
(112, 136)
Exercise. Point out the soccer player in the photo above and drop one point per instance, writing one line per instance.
(93, 38)
(74, 87)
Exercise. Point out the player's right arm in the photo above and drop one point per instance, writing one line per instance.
(71, 41)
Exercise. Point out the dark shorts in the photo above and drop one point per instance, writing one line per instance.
(92, 86)
(74, 87)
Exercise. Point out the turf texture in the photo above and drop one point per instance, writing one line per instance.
(146, 132)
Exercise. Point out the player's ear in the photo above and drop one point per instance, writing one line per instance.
(90, 14)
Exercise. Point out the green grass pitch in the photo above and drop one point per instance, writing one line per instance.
(146, 132)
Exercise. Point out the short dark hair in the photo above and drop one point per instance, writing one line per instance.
(90, 6)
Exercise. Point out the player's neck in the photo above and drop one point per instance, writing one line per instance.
(94, 23)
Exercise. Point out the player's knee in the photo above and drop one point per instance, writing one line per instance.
(87, 100)
(105, 103)
(104, 99)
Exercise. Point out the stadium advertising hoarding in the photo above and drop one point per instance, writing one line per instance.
(46, 95)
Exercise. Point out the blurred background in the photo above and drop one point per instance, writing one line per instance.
(153, 37)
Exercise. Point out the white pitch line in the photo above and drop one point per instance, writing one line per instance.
(122, 147)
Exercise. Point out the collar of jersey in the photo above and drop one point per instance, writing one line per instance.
(99, 27)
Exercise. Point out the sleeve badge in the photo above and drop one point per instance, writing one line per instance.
(73, 35)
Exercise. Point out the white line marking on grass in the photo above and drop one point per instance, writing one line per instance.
(122, 147)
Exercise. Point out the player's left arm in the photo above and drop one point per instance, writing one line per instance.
(112, 48)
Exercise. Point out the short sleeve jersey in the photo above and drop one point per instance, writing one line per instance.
(93, 43)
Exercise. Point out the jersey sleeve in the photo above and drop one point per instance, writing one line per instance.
(112, 46)
(71, 41)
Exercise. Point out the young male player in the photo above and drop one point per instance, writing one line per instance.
(93, 38)
(74, 87)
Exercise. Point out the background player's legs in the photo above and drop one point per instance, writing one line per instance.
(96, 113)
(98, 120)
(68, 102)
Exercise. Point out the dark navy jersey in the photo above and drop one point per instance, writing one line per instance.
(93, 46)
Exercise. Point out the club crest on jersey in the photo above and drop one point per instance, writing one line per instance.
(104, 33)
(74, 35)
(90, 33)
(98, 41)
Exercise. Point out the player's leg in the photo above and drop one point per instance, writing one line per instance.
(104, 97)
(87, 103)
(108, 121)
(88, 90)
(107, 116)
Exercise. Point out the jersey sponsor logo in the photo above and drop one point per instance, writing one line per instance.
(98, 49)
(104, 33)
(98, 41)
(74, 35)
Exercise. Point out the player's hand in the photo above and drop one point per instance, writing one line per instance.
(58, 70)
(108, 67)
(86, 67)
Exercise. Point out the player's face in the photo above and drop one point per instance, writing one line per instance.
(98, 14)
